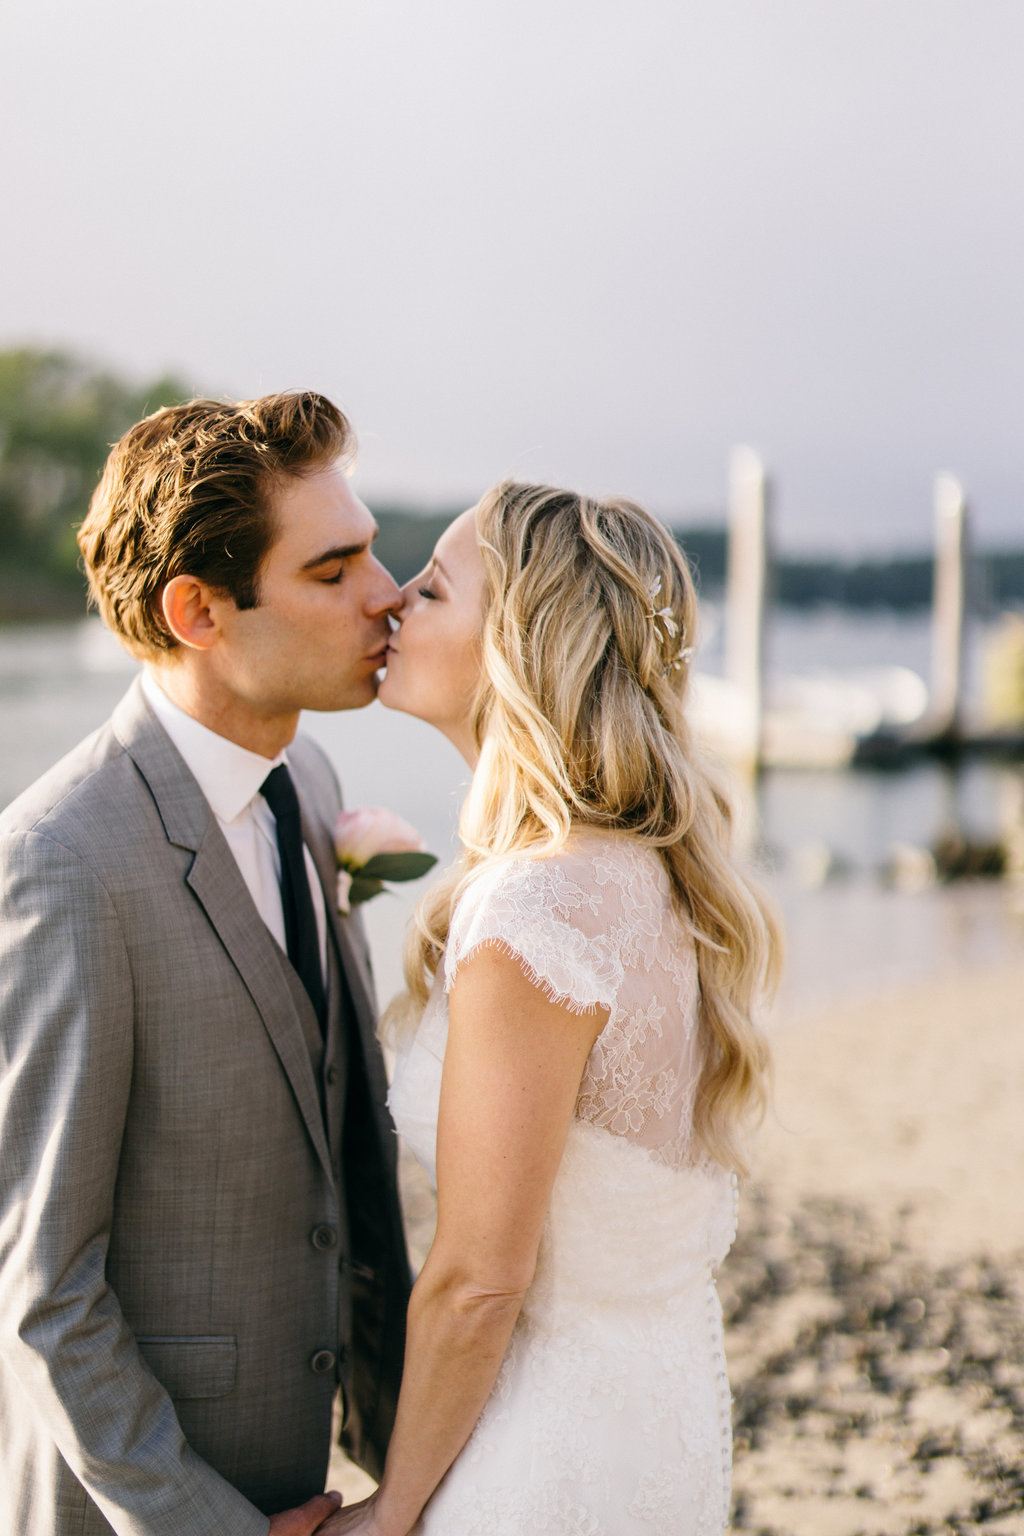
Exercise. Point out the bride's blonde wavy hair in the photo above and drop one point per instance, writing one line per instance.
(580, 720)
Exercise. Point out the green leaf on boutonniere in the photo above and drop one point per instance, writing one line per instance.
(361, 890)
(395, 866)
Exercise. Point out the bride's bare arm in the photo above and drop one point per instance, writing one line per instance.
(512, 1071)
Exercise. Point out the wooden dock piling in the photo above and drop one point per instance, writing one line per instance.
(746, 595)
(949, 609)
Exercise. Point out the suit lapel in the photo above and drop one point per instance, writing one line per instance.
(350, 946)
(215, 880)
(219, 887)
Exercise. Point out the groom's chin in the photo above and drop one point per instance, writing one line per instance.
(356, 694)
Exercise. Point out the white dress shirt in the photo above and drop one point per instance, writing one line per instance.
(230, 777)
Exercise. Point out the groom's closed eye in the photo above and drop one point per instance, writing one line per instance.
(329, 565)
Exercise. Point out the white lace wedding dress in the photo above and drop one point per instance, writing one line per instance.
(610, 1415)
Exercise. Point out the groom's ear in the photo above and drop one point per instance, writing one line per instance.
(188, 609)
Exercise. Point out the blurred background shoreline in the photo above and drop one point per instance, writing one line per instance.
(866, 859)
(854, 852)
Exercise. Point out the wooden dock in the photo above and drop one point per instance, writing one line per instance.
(880, 717)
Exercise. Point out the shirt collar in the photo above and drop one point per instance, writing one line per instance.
(228, 775)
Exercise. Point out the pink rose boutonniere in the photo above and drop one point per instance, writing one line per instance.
(373, 845)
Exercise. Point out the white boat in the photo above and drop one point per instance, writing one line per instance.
(811, 720)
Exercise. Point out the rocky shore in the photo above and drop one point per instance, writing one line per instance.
(875, 1294)
(876, 1392)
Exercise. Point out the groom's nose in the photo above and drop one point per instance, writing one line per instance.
(386, 594)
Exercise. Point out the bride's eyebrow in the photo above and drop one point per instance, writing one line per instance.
(439, 568)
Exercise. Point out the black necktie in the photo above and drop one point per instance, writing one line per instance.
(299, 917)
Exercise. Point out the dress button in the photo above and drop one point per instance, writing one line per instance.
(322, 1362)
(332, 1075)
(324, 1237)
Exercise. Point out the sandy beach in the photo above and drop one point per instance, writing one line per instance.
(875, 1294)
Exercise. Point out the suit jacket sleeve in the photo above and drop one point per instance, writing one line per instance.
(66, 1033)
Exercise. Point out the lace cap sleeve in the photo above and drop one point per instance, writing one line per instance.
(543, 913)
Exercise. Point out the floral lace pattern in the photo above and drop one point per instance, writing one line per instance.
(595, 926)
(610, 1414)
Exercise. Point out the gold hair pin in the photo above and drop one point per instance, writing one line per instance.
(664, 617)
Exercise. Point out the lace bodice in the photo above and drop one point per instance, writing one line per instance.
(595, 924)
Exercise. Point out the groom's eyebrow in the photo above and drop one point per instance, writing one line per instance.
(339, 552)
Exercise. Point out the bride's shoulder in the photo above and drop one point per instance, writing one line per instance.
(591, 865)
(610, 857)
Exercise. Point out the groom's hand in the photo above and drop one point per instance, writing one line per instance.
(304, 1520)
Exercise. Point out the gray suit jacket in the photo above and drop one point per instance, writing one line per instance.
(200, 1236)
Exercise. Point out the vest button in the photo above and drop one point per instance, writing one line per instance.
(332, 1075)
(324, 1237)
(322, 1362)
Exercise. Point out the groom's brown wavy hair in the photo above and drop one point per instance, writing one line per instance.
(187, 491)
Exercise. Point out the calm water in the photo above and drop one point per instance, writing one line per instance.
(852, 934)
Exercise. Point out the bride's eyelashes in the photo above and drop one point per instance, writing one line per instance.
(426, 592)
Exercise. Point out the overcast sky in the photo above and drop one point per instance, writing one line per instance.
(569, 239)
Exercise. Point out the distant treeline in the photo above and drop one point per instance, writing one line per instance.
(896, 581)
(59, 414)
(58, 417)
(996, 578)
